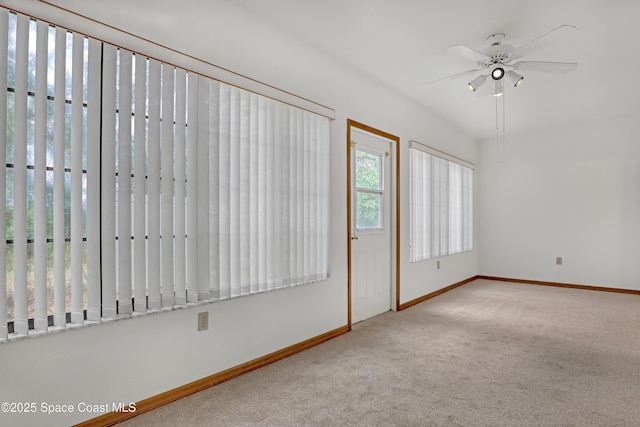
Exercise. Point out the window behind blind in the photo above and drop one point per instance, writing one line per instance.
(441, 205)
(134, 185)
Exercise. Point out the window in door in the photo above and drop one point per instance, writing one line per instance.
(369, 190)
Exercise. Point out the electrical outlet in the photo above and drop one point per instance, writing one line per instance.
(203, 321)
(438, 265)
(559, 260)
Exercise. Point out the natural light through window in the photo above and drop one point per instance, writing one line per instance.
(441, 206)
(369, 190)
(133, 185)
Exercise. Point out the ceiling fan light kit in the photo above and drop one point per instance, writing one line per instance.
(514, 78)
(477, 82)
(497, 73)
(498, 88)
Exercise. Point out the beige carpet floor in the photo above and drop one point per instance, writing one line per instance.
(484, 354)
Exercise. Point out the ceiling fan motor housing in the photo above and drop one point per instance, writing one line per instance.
(499, 54)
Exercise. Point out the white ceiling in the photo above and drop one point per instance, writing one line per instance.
(402, 44)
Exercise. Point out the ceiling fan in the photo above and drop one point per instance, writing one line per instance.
(497, 61)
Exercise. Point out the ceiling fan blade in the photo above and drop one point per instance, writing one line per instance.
(467, 52)
(546, 67)
(544, 39)
(451, 77)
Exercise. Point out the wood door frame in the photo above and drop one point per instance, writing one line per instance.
(395, 219)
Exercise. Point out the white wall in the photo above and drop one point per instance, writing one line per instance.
(134, 359)
(572, 192)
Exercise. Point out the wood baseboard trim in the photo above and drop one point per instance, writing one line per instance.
(561, 285)
(151, 403)
(146, 405)
(436, 293)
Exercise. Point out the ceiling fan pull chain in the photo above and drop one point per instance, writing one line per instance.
(499, 145)
(496, 98)
(504, 113)
(497, 132)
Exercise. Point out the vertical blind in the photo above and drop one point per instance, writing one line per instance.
(4, 47)
(441, 218)
(133, 185)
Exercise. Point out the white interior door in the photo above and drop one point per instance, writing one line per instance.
(371, 225)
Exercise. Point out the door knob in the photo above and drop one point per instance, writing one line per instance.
(354, 238)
